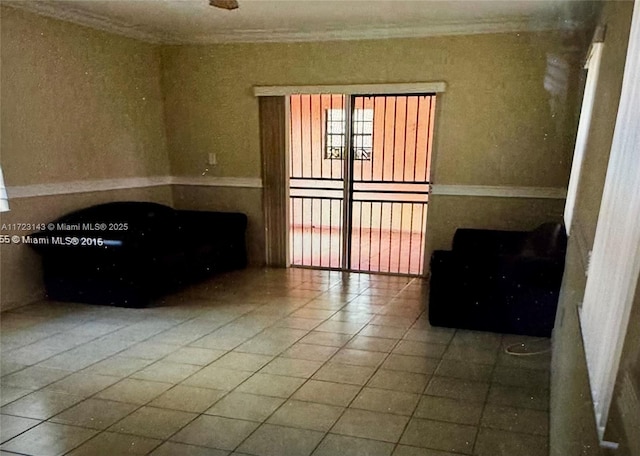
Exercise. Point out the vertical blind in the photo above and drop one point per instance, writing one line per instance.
(273, 145)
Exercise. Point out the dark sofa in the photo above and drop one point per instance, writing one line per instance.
(499, 281)
(127, 253)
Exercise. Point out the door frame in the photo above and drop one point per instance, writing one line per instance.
(275, 230)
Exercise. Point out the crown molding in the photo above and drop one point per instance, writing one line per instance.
(95, 21)
(507, 25)
(147, 34)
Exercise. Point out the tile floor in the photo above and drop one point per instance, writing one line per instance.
(267, 362)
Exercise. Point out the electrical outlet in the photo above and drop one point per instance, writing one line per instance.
(212, 159)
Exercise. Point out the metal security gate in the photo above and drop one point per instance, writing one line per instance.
(359, 181)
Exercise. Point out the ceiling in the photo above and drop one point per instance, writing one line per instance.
(194, 21)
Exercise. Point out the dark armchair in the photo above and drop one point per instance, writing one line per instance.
(499, 281)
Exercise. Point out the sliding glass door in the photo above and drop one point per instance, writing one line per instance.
(359, 181)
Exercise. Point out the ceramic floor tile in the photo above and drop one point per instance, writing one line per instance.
(416, 364)
(343, 445)
(414, 348)
(481, 339)
(81, 384)
(34, 377)
(396, 322)
(386, 401)
(382, 331)
(271, 385)
(451, 410)
(492, 442)
(516, 420)
(48, 439)
(194, 355)
(94, 413)
(10, 394)
(41, 404)
(74, 361)
(242, 361)
(358, 357)
(471, 354)
(118, 366)
(291, 367)
(166, 371)
(344, 373)
(538, 362)
(313, 313)
(264, 346)
(515, 376)
(220, 341)
(306, 415)
(371, 425)
(111, 444)
(376, 344)
(405, 450)
(246, 406)
(188, 398)
(215, 432)
(325, 338)
(465, 370)
(217, 378)
(180, 449)
(339, 394)
(272, 440)
(310, 352)
(299, 323)
(511, 396)
(134, 391)
(409, 382)
(454, 388)
(351, 317)
(433, 335)
(9, 366)
(341, 327)
(153, 422)
(10, 426)
(437, 435)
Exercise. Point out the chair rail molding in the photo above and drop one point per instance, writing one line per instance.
(499, 191)
(102, 185)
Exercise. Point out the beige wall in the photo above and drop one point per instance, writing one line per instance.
(572, 420)
(76, 105)
(497, 124)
